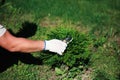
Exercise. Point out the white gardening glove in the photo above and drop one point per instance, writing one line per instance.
(56, 46)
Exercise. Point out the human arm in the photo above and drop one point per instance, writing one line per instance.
(15, 44)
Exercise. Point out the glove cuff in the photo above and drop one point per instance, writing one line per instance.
(46, 45)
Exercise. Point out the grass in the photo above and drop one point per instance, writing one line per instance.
(100, 19)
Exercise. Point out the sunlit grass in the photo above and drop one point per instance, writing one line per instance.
(98, 18)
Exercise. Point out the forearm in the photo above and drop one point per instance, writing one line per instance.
(15, 44)
(26, 45)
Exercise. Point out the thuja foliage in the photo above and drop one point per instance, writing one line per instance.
(77, 52)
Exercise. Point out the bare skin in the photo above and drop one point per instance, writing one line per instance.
(15, 44)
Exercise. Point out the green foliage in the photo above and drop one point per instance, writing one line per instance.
(105, 62)
(77, 52)
(100, 76)
(101, 16)
(59, 71)
(9, 17)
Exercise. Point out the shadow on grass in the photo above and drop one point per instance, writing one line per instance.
(8, 59)
(2, 2)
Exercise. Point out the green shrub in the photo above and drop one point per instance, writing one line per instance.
(77, 52)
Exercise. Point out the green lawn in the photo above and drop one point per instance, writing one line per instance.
(36, 19)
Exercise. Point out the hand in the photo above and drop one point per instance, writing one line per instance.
(56, 46)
